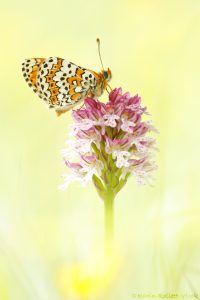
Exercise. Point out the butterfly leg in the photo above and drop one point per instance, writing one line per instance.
(62, 111)
(82, 105)
(109, 87)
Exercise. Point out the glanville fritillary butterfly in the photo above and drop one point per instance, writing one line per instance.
(62, 84)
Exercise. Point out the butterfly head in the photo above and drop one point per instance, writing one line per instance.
(107, 75)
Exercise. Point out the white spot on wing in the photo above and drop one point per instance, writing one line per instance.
(78, 89)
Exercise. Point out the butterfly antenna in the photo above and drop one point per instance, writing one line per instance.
(98, 42)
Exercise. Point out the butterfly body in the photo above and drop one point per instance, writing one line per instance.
(62, 84)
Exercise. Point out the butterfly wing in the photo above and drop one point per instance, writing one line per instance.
(30, 69)
(60, 83)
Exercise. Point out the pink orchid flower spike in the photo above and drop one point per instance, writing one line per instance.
(111, 143)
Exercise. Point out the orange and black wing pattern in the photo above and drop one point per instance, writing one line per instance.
(58, 82)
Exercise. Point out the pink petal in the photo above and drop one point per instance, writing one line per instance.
(74, 166)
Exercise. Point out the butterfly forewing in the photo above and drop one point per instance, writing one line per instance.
(60, 83)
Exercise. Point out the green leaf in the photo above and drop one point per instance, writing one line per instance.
(118, 172)
(107, 177)
(122, 183)
(103, 152)
(98, 183)
(95, 149)
(114, 181)
(110, 162)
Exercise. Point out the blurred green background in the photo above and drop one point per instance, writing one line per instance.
(51, 241)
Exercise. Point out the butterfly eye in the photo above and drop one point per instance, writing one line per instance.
(105, 74)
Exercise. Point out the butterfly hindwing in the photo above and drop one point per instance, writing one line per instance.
(30, 69)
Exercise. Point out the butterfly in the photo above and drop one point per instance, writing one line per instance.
(62, 84)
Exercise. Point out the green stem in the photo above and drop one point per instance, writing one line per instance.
(109, 219)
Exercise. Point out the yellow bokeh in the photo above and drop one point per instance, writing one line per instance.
(87, 279)
(152, 48)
